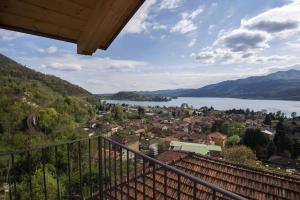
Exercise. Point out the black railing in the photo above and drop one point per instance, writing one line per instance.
(97, 168)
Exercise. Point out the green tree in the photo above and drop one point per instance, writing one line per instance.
(118, 112)
(232, 128)
(216, 126)
(233, 140)
(271, 148)
(255, 139)
(37, 186)
(240, 154)
(47, 119)
(294, 115)
(297, 148)
(284, 140)
(141, 111)
(268, 119)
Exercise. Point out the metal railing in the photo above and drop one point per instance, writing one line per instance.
(97, 168)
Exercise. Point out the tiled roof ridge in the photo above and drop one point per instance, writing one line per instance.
(251, 172)
(183, 183)
(243, 177)
(230, 182)
(227, 182)
(179, 158)
(249, 168)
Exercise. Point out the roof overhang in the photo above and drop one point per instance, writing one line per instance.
(91, 24)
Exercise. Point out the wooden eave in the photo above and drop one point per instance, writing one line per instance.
(91, 24)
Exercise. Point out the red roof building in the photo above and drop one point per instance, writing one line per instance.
(245, 181)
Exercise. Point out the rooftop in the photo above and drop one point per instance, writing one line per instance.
(248, 182)
(202, 149)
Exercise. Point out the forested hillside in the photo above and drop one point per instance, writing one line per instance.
(58, 106)
(9, 68)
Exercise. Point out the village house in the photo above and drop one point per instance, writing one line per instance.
(202, 149)
(130, 141)
(217, 138)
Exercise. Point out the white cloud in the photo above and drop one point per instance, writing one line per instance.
(157, 26)
(187, 24)
(280, 21)
(293, 45)
(140, 21)
(169, 4)
(192, 43)
(63, 66)
(51, 49)
(6, 35)
(184, 26)
(4, 50)
(211, 26)
(226, 56)
(70, 62)
(196, 12)
(246, 43)
(241, 40)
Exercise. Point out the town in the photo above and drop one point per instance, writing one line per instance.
(272, 140)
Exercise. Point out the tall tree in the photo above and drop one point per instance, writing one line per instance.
(255, 139)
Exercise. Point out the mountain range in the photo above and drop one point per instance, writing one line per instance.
(281, 85)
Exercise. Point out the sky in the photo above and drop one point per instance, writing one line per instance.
(171, 44)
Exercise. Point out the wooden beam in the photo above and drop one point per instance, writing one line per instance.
(92, 24)
(37, 27)
(27, 10)
(88, 34)
(65, 7)
(106, 21)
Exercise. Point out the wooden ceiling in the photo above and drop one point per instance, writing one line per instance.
(91, 24)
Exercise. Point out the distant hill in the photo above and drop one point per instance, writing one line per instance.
(282, 85)
(10, 68)
(133, 96)
(167, 93)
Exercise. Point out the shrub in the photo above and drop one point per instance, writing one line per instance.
(240, 154)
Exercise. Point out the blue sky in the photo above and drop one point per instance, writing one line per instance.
(172, 44)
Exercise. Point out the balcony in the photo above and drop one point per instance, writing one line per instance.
(98, 168)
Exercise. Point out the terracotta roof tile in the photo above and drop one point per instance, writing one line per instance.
(247, 182)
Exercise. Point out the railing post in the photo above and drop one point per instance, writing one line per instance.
(144, 180)
(178, 186)
(57, 174)
(79, 167)
(127, 173)
(110, 169)
(121, 171)
(69, 170)
(135, 176)
(29, 174)
(14, 175)
(100, 168)
(214, 195)
(195, 191)
(90, 169)
(165, 184)
(115, 168)
(44, 176)
(154, 186)
(104, 168)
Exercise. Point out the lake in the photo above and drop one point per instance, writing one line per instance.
(286, 107)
